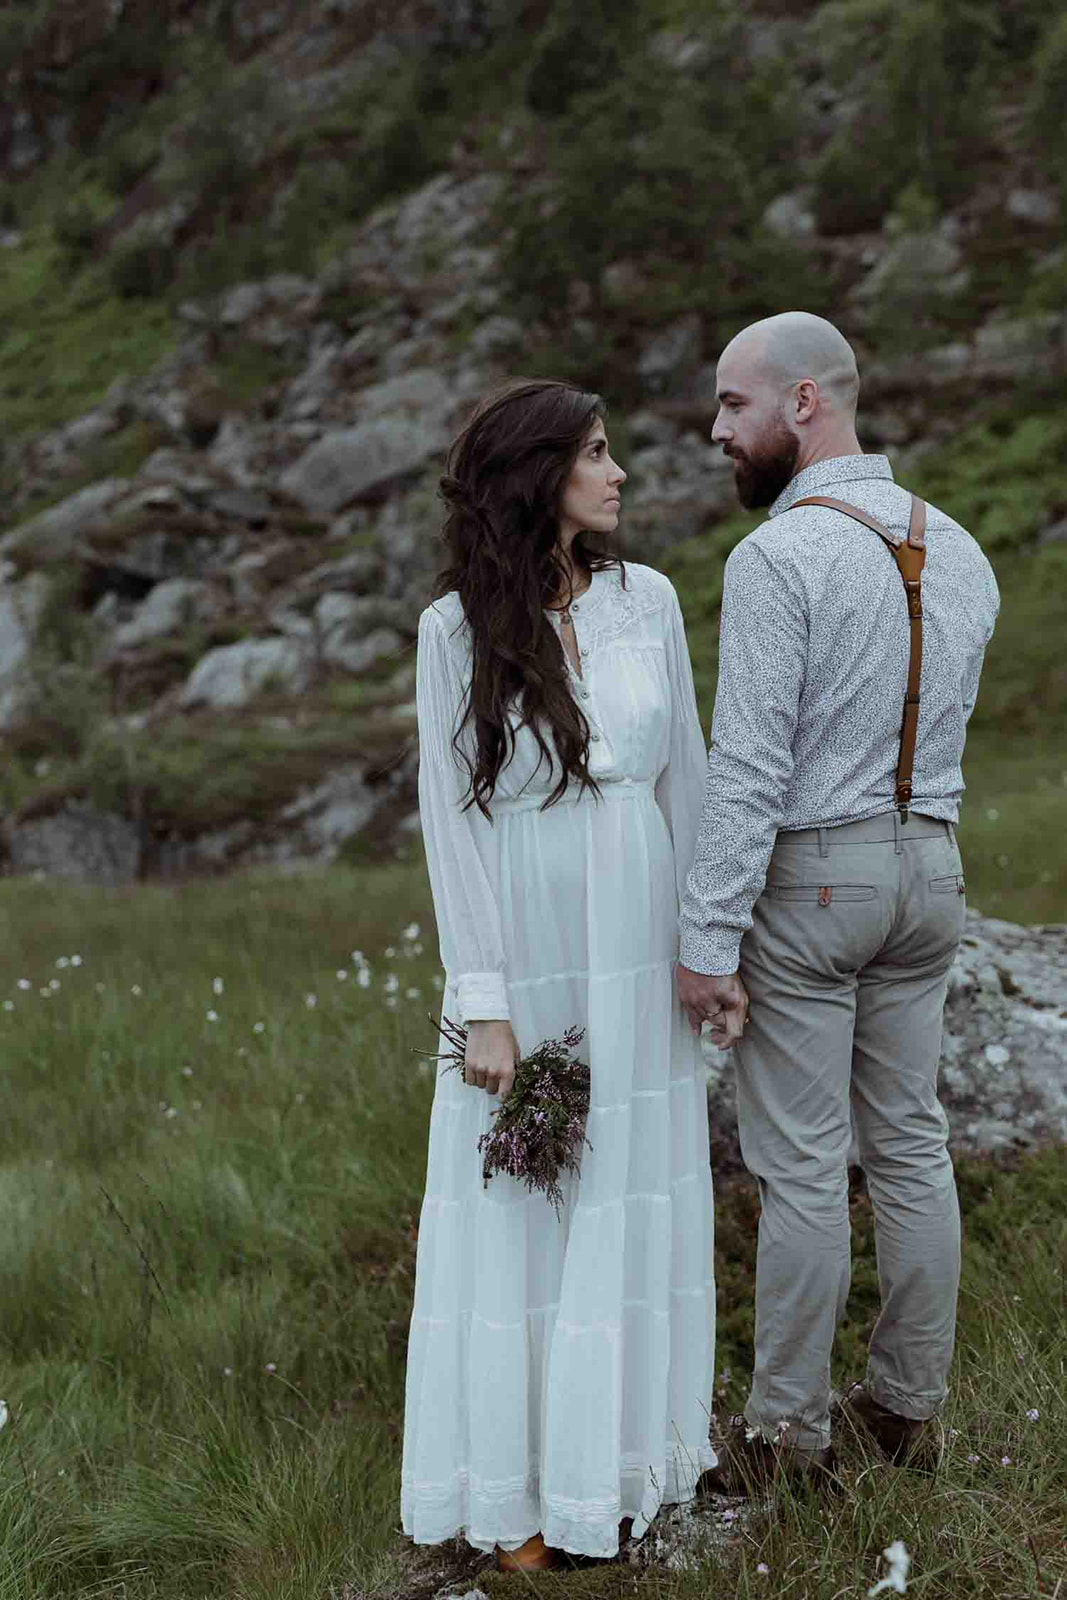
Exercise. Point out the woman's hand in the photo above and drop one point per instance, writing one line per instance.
(492, 1051)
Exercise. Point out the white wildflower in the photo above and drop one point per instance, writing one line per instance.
(898, 1561)
(1033, 1416)
(187, 1072)
(392, 983)
(390, 1002)
(212, 1016)
(9, 1005)
(973, 1460)
(135, 988)
(45, 994)
(341, 974)
(1005, 1461)
(257, 1027)
(227, 1372)
(411, 933)
(270, 1367)
(24, 983)
(416, 949)
(390, 952)
(53, 983)
(364, 978)
(62, 962)
(358, 958)
(311, 1001)
(170, 1113)
(413, 994)
(763, 1569)
(75, 961)
(217, 986)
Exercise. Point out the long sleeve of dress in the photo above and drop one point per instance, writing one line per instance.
(762, 652)
(465, 899)
(680, 786)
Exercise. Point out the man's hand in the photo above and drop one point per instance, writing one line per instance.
(721, 1001)
(492, 1051)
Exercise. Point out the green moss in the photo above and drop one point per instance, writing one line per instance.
(1003, 481)
(203, 772)
(63, 342)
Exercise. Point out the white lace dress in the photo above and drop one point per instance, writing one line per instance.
(560, 1372)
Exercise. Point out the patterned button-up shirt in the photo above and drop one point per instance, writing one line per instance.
(812, 669)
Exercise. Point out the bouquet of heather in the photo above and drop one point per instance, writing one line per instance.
(539, 1130)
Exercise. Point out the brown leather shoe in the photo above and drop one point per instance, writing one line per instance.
(906, 1441)
(751, 1464)
(533, 1556)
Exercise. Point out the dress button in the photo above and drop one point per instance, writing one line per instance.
(574, 607)
(585, 694)
(595, 737)
(585, 652)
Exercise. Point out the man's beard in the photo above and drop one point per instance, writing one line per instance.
(761, 475)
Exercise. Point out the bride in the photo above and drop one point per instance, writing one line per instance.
(559, 1371)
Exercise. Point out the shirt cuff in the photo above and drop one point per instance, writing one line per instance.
(715, 952)
(482, 997)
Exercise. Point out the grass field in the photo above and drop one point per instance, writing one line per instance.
(213, 1145)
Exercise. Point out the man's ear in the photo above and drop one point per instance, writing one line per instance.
(805, 400)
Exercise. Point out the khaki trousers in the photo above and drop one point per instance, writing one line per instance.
(847, 966)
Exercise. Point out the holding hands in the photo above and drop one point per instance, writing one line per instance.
(722, 1001)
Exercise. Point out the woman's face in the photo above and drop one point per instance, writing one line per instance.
(591, 498)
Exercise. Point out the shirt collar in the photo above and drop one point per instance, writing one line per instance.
(823, 475)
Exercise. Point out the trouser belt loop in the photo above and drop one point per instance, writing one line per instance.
(824, 848)
(898, 842)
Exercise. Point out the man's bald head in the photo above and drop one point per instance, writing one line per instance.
(787, 389)
(794, 346)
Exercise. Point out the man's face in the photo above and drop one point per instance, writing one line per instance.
(751, 426)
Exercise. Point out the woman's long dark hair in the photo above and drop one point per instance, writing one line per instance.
(505, 478)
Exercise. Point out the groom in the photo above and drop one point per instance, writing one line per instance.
(826, 897)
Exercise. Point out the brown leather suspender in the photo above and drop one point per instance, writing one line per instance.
(909, 555)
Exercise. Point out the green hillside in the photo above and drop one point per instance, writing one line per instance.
(659, 165)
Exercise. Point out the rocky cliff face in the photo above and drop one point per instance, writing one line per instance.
(210, 579)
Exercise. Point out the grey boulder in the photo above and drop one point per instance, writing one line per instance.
(233, 675)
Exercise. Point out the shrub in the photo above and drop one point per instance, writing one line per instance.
(580, 47)
(1046, 126)
(669, 171)
(140, 268)
(920, 104)
(75, 230)
(228, 138)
